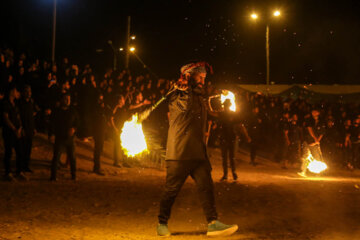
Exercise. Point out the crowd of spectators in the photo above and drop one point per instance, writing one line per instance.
(275, 125)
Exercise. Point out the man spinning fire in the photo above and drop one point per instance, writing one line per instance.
(186, 150)
(314, 133)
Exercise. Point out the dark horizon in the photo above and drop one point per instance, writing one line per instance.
(312, 42)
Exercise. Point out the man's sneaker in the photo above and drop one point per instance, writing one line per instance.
(99, 172)
(9, 178)
(53, 179)
(117, 165)
(163, 230)
(125, 164)
(235, 176)
(217, 229)
(21, 176)
(224, 178)
(28, 170)
(302, 174)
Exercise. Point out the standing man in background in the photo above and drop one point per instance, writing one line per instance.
(27, 112)
(64, 122)
(100, 121)
(12, 133)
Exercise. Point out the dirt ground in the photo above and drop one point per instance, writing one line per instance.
(267, 202)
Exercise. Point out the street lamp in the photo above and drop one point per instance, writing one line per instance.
(132, 49)
(254, 16)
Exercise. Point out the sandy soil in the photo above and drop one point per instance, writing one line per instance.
(266, 202)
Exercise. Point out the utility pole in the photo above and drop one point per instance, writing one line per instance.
(115, 56)
(267, 56)
(127, 43)
(53, 34)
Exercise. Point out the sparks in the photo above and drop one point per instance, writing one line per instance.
(228, 95)
(132, 137)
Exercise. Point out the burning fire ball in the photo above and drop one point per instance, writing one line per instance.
(132, 137)
(316, 166)
(228, 95)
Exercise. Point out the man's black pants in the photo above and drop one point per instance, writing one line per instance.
(176, 174)
(27, 146)
(98, 149)
(228, 149)
(10, 142)
(117, 148)
(59, 146)
(254, 145)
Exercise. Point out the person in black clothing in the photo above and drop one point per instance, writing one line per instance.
(228, 121)
(27, 112)
(283, 142)
(314, 133)
(255, 130)
(64, 121)
(347, 148)
(293, 139)
(12, 132)
(186, 152)
(119, 116)
(100, 122)
(355, 142)
(331, 142)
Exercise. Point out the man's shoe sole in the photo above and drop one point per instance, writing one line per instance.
(301, 174)
(226, 232)
(163, 236)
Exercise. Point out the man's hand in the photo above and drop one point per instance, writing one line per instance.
(51, 139)
(182, 87)
(18, 132)
(146, 102)
(182, 84)
(48, 111)
(71, 132)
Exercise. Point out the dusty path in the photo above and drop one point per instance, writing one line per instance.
(266, 202)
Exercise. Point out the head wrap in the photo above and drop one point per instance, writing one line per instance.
(198, 67)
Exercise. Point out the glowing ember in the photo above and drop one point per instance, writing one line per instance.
(228, 95)
(315, 166)
(132, 137)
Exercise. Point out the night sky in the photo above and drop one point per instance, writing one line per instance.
(312, 42)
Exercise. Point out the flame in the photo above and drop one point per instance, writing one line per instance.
(132, 137)
(228, 95)
(315, 166)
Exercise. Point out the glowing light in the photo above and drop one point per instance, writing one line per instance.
(121, 49)
(228, 95)
(315, 166)
(132, 49)
(277, 13)
(132, 137)
(254, 16)
(132, 37)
